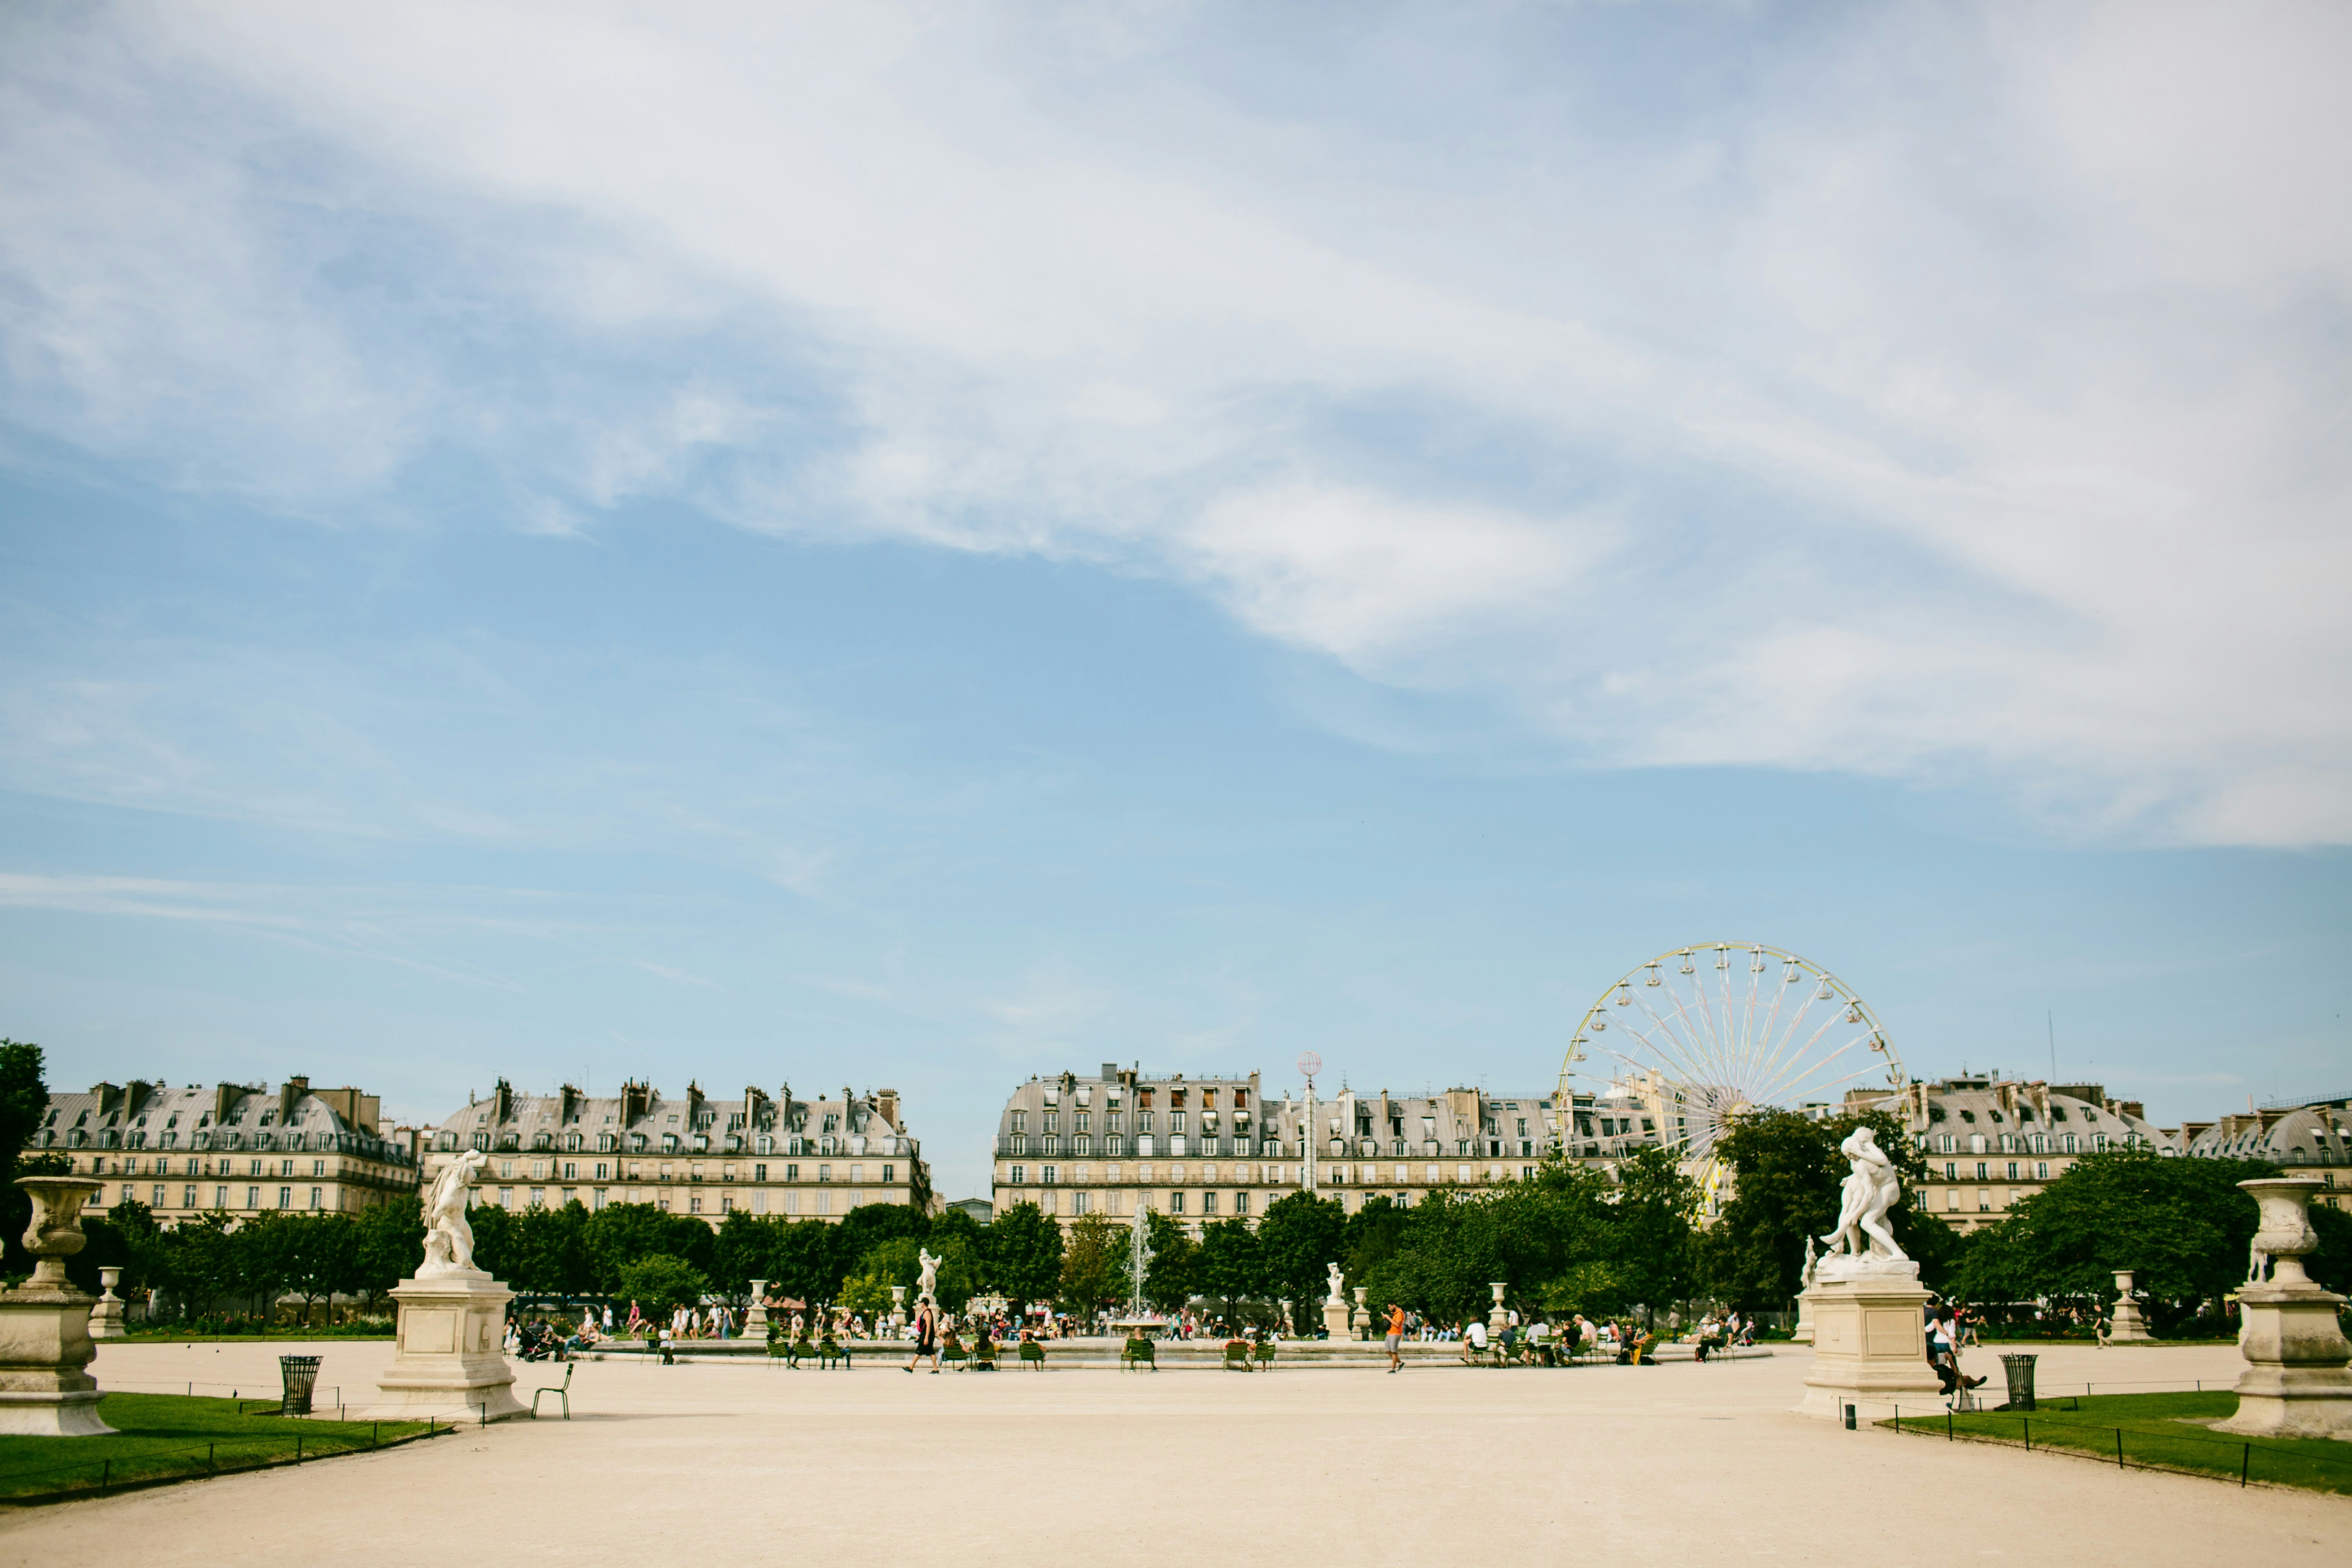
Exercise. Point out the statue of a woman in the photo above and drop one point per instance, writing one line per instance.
(928, 1289)
(1337, 1280)
(448, 1239)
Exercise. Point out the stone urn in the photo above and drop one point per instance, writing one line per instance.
(106, 1319)
(2297, 1382)
(1498, 1316)
(45, 1344)
(755, 1317)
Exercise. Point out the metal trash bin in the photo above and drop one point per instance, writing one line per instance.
(2019, 1369)
(301, 1376)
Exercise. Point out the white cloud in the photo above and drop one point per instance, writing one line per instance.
(1953, 393)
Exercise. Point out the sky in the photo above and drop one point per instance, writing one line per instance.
(913, 546)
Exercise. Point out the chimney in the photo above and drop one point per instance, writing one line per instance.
(504, 1095)
(289, 1096)
(637, 1099)
(887, 1102)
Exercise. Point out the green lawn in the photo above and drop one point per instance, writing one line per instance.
(161, 1435)
(2155, 1431)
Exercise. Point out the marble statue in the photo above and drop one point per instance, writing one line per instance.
(1812, 1266)
(448, 1239)
(1336, 1279)
(1872, 1190)
(927, 1288)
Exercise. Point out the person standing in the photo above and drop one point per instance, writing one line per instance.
(926, 1327)
(1396, 1336)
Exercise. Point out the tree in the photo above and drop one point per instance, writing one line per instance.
(621, 1233)
(1173, 1277)
(2182, 1225)
(24, 1100)
(661, 1284)
(322, 1257)
(1094, 1265)
(803, 1260)
(1298, 1237)
(1024, 1254)
(390, 1248)
(1656, 1207)
(1233, 1268)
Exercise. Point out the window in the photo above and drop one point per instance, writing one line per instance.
(318, 1167)
(889, 1173)
(2042, 1171)
(1175, 1122)
(1175, 1202)
(253, 1197)
(1951, 1169)
(1240, 1202)
(571, 1171)
(1077, 1204)
(506, 1198)
(1952, 1198)
(1020, 1174)
(286, 1197)
(856, 1172)
(791, 1172)
(759, 1173)
(2012, 1169)
(824, 1172)
(1208, 1203)
(318, 1197)
(694, 1202)
(1048, 1175)
(187, 1197)
(1982, 1174)
(1984, 1200)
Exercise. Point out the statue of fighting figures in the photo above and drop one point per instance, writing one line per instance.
(1869, 1193)
(448, 1239)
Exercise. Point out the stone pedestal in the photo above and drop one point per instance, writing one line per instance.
(106, 1319)
(1335, 1318)
(1498, 1317)
(1802, 1333)
(2127, 1324)
(45, 1323)
(451, 1358)
(755, 1316)
(2297, 1382)
(1870, 1343)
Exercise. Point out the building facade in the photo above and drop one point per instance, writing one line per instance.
(236, 1149)
(774, 1157)
(2313, 1139)
(1991, 1143)
(1206, 1149)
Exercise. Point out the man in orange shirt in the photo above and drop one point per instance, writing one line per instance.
(1396, 1336)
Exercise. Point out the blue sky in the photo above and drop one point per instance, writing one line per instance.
(916, 547)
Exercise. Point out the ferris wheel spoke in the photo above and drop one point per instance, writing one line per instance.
(1812, 1081)
(1698, 1054)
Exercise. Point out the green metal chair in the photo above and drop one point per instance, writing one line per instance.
(561, 1390)
(1138, 1353)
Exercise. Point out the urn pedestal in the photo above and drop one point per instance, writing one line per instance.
(1359, 1316)
(755, 1317)
(1498, 1317)
(2297, 1382)
(2127, 1325)
(1335, 1319)
(897, 1306)
(44, 1342)
(106, 1319)
(450, 1359)
(1870, 1343)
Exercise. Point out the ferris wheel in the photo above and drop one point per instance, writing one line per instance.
(1695, 1037)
